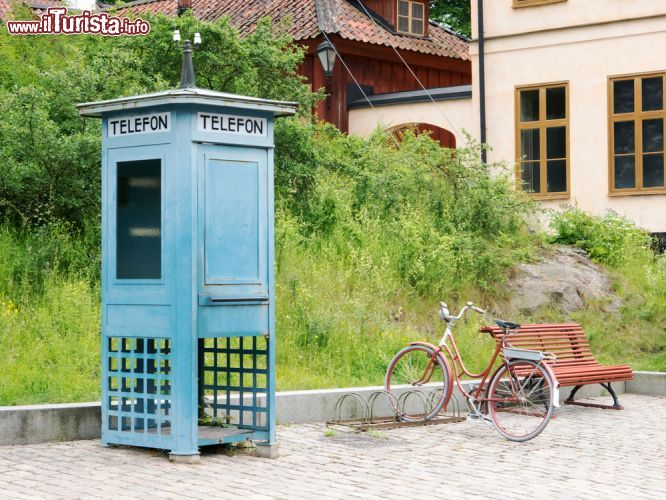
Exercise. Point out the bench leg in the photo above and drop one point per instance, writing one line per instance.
(616, 402)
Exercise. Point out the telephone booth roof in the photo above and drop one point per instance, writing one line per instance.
(187, 96)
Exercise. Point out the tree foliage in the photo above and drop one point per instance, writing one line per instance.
(50, 156)
(456, 14)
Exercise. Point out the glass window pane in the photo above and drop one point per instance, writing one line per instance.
(556, 139)
(653, 135)
(625, 172)
(529, 105)
(417, 10)
(403, 24)
(403, 8)
(417, 27)
(139, 220)
(530, 176)
(653, 93)
(557, 176)
(556, 107)
(624, 137)
(653, 170)
(529, 144)
(623, 96)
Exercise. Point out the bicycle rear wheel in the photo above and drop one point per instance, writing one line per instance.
(521, 400)
(417, 369)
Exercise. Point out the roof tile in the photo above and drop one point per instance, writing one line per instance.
(334, 16)
(38, 6)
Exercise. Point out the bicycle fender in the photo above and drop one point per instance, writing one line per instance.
(438, 351)
(556, 384)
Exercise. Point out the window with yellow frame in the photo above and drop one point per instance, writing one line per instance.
(532, 3)
(542, 139)
(636, 134)
(411, 17)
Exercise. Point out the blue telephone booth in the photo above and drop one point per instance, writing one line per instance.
(188, 307)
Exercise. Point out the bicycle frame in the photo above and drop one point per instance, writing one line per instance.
(459, 368)
(458, 365)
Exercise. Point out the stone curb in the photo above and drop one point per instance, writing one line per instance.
(67, 422)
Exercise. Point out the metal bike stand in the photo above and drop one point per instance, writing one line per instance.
(368, 421)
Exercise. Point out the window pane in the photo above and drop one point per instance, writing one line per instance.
(653, 93)
(403, 24)
(139, 220)
(403, 8)
(556, 107)
(653, 170)
(625, 172)
(623, 96)
(624, 137)
(556, 138)
(417, 10)
(557, 176)
(417, 27)
(529, 144)
(653, 135)
(530, 176)
(529, 105)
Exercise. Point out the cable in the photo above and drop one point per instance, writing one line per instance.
(379, 117)
(437, 106)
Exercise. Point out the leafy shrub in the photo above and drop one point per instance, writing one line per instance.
(610, 239)
(437, 218)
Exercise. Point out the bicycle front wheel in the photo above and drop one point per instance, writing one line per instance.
(419, 381)
(521, 400)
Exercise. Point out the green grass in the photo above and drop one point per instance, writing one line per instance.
(339, 325)
(49, 318)
(338, 322)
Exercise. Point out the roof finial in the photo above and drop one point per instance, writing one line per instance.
(188, 79)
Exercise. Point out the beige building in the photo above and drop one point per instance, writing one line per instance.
(574, 97)
(450, 113)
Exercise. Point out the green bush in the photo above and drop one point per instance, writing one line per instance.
(610, 240)
(635, 334)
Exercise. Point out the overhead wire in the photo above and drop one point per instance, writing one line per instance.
(437, 106)
(365, 95)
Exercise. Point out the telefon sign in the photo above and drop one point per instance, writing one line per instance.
(233, 124)
(144, 124)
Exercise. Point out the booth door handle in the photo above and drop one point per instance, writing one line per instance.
(218, 300)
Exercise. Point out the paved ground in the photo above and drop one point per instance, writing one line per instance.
(586, 453)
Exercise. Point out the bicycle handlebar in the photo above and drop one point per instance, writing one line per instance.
(448, 317)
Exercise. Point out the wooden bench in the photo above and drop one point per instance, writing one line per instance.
(575, 365)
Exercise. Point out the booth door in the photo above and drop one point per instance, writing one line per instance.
(233, 235)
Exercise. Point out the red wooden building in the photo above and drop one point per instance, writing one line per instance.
(365, 34)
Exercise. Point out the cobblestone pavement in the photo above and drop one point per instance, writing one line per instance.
(584, 453)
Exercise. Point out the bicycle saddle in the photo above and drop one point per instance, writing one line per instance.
(507, 325)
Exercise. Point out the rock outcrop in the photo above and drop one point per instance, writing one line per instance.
(563, 278)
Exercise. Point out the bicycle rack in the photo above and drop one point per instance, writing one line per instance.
(364, 410)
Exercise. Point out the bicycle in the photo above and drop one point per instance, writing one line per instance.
(518, 400)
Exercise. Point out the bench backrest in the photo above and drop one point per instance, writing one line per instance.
(566, 340)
